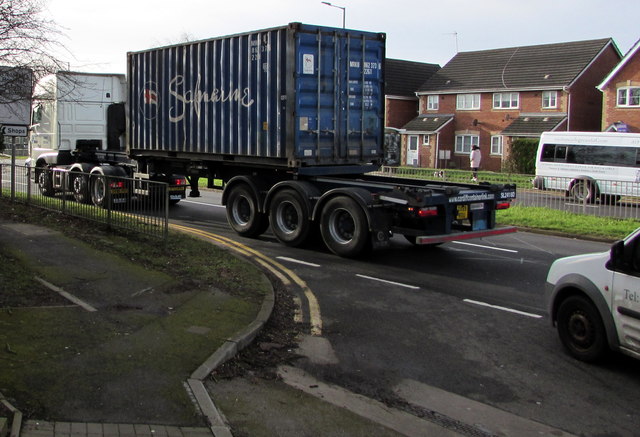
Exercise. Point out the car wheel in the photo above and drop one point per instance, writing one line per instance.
(581, 329)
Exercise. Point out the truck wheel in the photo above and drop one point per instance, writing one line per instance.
(581, 329)
(98, 189)
(45, 181)
(343, 226)
(582, 190)
(243, 213)
(289, 218)
(80, 187)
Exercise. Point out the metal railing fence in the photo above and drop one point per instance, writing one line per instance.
(604, 198)
(140, 206)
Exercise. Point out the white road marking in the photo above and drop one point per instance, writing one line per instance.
(497, 307)
(485, 247)
(66, 295)
(203, 204)
(297, 261)
(413, 287)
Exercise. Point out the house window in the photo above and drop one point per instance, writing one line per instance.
(629, 96)
(496, 145)
(465, 142)
(506, 100)
(468, 101)
(425, 140)
(549, 99)
(432, 102)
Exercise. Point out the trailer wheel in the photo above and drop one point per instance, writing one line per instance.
(243, 213)
(80, 187)
(45, 181)
(343, 226)
(289, 218)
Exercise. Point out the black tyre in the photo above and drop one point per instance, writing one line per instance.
(344, 227)
(289, 218)
(45, 182)
(243, 213)
(80, 187)
(98, 190)
(582, 190)
(581, 329)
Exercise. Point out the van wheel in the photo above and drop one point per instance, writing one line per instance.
(582, 190)
(243, 213)
(289, 218)
(581, 329)
(344, 227)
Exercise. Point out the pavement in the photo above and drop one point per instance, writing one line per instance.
(133, 401)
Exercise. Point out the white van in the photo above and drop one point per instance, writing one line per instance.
(589, 165)
(594, 300)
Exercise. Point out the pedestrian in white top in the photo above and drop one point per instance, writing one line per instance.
(474, 161)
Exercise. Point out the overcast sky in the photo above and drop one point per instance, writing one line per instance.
(100, 33)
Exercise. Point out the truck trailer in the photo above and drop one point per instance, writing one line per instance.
(291, 119)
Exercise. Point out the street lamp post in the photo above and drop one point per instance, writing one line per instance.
(344, 12)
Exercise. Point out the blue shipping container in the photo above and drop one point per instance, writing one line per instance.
(293, 96)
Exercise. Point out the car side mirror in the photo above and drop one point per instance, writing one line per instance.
(616, 257)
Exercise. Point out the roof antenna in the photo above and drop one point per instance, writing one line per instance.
(455, 35)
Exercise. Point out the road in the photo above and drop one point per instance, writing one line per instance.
(466, 318)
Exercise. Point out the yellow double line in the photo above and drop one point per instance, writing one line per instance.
(284, 274)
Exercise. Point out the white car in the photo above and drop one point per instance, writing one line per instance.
(594, 300)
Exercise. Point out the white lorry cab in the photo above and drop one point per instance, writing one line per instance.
(589, 166)
(594, 300)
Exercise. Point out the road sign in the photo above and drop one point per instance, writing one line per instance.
(15, 130)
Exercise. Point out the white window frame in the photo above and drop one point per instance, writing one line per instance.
(625, 95)
(497, 145)
(549, 99)
(468, 102)
(465, 142)
(425, 140)
(506, 100)
(433, 102)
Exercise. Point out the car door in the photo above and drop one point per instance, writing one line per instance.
(626, 297)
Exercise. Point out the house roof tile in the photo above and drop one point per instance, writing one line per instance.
(403, 78)
(530, 67)
(427, 123)
(533, 125)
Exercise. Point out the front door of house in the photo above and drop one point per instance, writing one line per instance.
(412, 151)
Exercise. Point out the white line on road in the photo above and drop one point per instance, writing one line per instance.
(297, 261)
(203, 204)
(486, 247)
(413, 287)
(510, 310)
(66, 295)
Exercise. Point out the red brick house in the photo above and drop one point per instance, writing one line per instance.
(621, 94)
(488, 98)
(402, 79)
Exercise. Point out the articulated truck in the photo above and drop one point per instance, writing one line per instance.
(291, 119)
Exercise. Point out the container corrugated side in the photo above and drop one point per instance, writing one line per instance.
(296, 95)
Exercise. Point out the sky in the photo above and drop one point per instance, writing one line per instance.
(98, 34)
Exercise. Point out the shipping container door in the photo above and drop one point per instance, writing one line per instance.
(339, 97)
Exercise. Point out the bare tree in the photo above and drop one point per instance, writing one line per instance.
(28, 41)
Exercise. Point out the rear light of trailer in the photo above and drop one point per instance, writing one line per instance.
(431, 211)
(117, 184)
(179, 181)
(503, 205)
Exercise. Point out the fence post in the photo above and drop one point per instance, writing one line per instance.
(13, 169)
(166, 213)
(28, 168)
